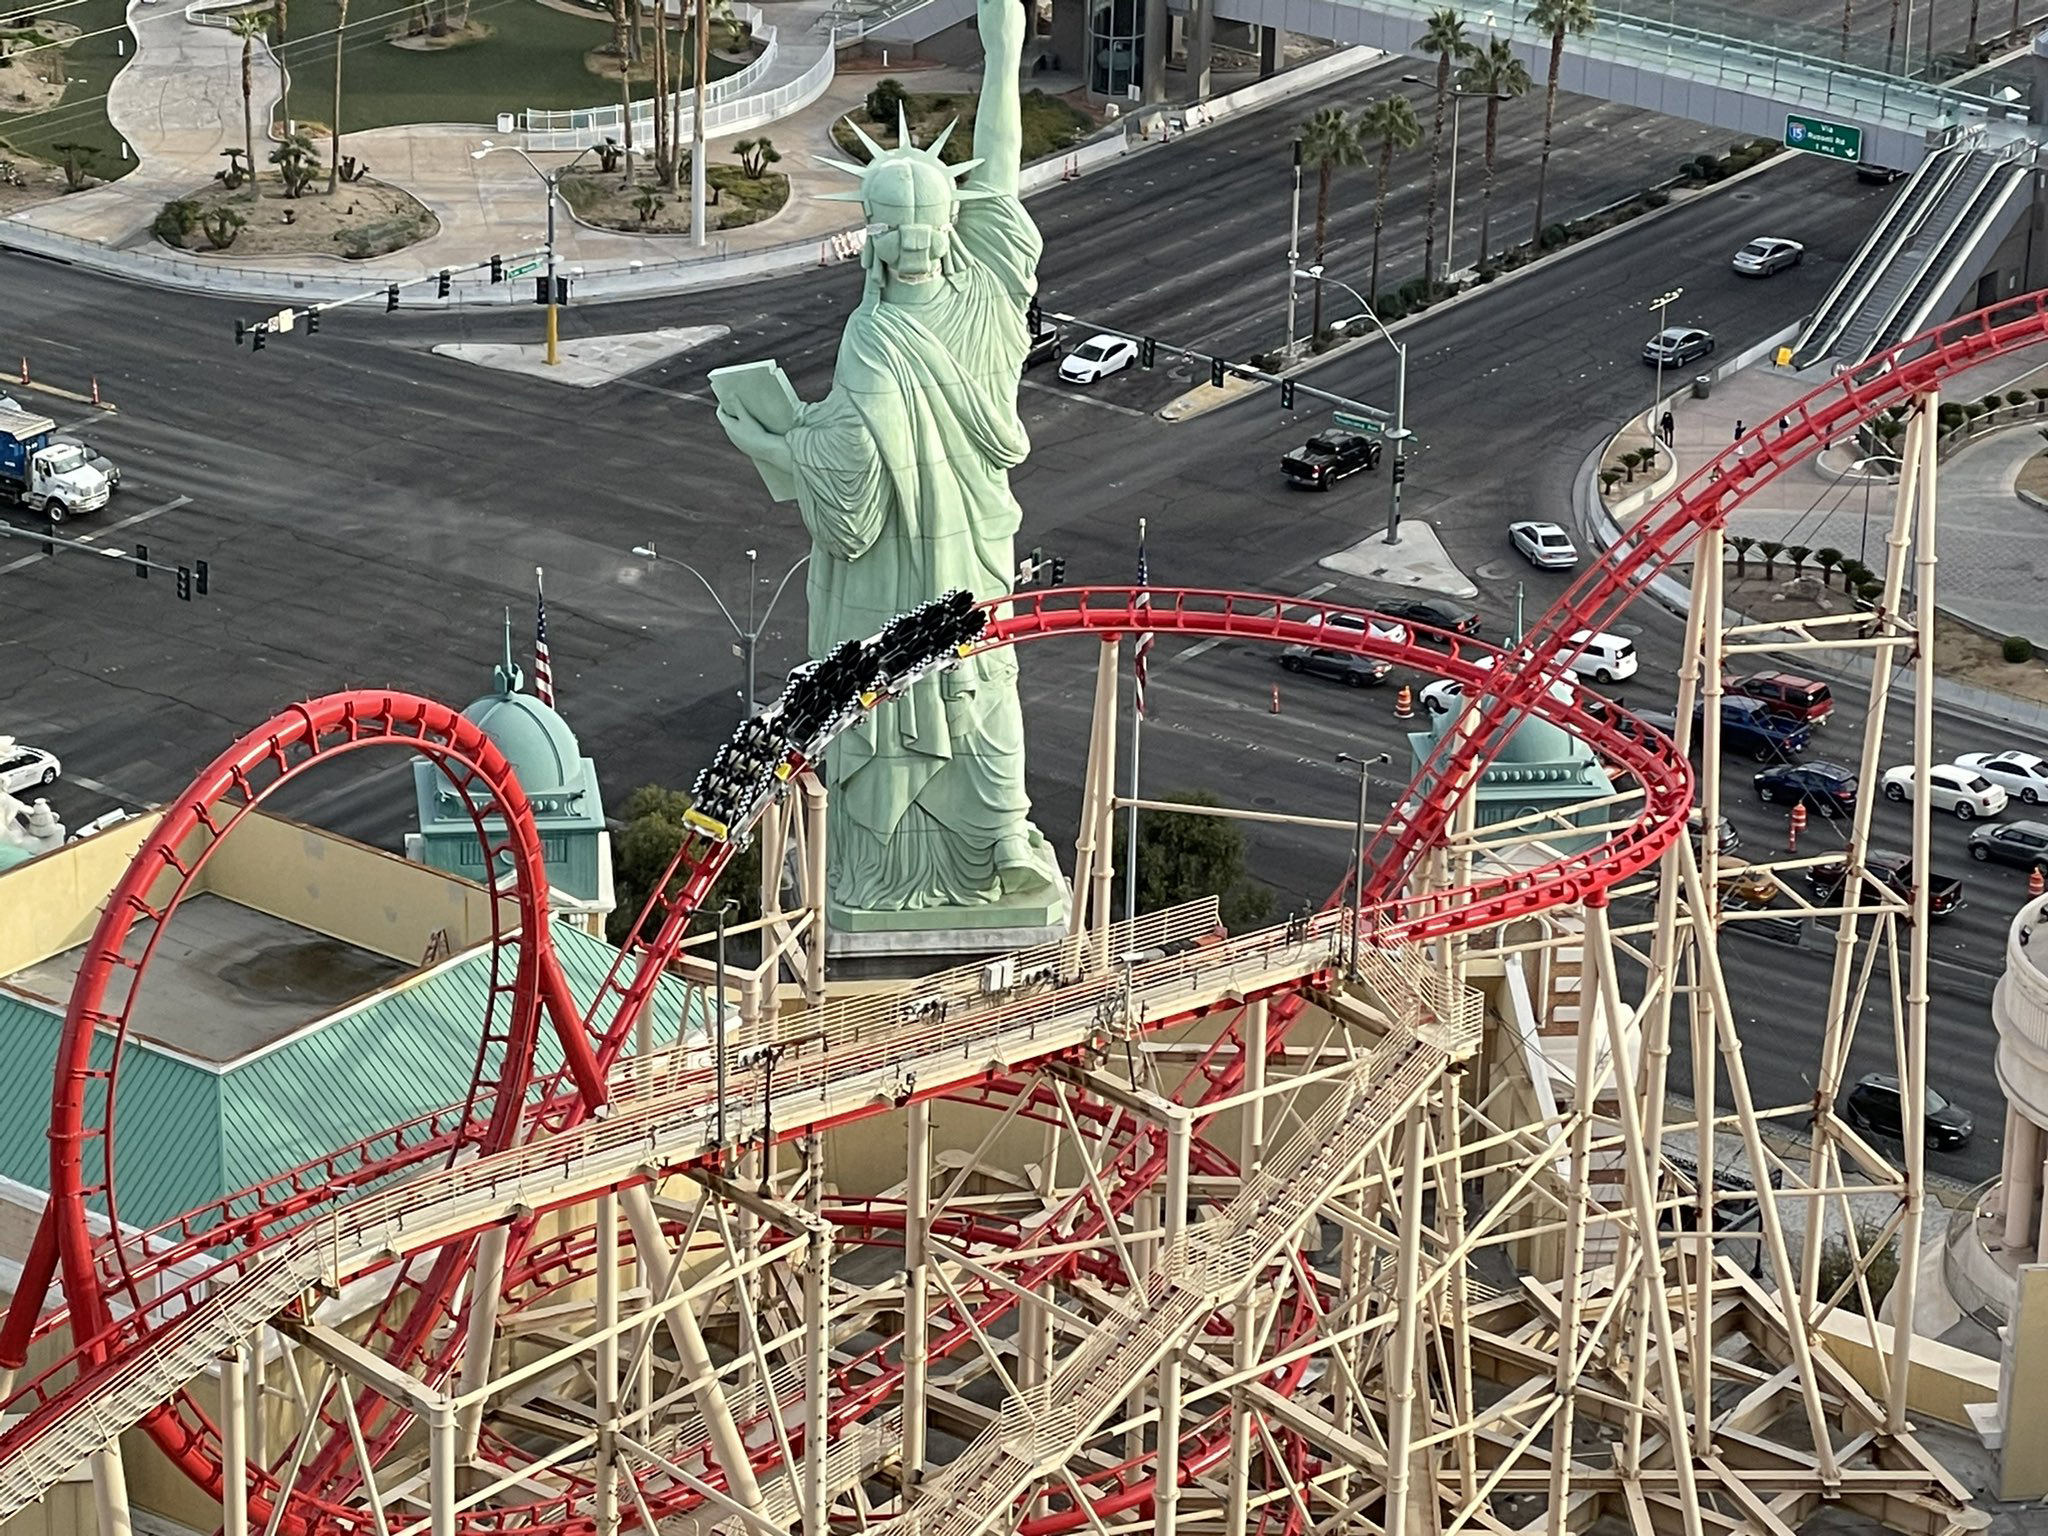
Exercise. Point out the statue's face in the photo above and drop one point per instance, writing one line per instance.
(910, 206)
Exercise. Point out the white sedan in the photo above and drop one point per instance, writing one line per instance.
(1393, 631)
(1962, 790)
(1445, 695)
(1545, 545)
(1097, 358)
(1762, 257)
(26, 767)
(2018, 773)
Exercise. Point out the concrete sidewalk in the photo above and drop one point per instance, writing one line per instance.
(1993, 546)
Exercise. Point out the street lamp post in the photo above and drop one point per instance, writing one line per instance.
(1399, 472)
(1294, 250)
(552, 180)
(1364, 765)
(1662, 304)
(1458, 100)
(749, 637)
(718, 1033)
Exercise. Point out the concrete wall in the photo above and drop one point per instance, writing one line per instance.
(370, 898)
(53, 901)
(2023, 1458)
(1945, 1381)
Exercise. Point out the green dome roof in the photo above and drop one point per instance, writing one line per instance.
(537, 742)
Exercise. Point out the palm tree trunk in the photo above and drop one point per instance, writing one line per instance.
(249, 104)
(700, 78)
(1315, 323)
(622, 32)
(1970, 47)
(659, 56)
(1486, 198)
(334, 127)
(1848, 9)
(284, 78)
(675, 105)
(1891, 37)
(1549, 124)
(1436, 166)
(1379, 216)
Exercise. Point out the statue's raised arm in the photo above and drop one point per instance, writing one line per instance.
(998, 118)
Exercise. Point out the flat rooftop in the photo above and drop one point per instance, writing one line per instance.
(227, 980)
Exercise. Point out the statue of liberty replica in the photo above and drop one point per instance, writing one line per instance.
(901, 474)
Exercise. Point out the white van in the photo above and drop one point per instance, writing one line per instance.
(1605, 658)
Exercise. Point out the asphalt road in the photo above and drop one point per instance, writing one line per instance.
(370, 511)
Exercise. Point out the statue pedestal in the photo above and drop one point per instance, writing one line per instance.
(869, 944)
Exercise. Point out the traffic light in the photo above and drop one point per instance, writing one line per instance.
(540, 289)
(497, 269)
(199, 570)
(446, 280)
(390, 298)
(1033, 316)
(561, 290)
(184, 584)
(1148, 352)
(313, 321)
(1400, 469)
(241, 330)
(1059, 570)
(1287, 394)
(142, 561)
(1216, 372)
(256, 337)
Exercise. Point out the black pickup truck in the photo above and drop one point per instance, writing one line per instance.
(1328, 457)
(1894, 871)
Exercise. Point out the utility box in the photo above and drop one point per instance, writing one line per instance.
(1702, 386)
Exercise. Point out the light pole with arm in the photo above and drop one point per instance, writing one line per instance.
(552, 180)
(1364, 765)
(749, 636)
(1400, 434)
(1662, 304)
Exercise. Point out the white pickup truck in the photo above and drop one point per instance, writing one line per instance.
(55, 478)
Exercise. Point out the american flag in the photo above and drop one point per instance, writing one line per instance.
(543, 673)
(1143, 649)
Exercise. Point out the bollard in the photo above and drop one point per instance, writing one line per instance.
(1276, 698)
(24, 370)
(95, 389)
(2036, 881)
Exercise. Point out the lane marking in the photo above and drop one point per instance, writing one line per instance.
(1079, 398)
(1202, 647)
(108, 790)
(98, 533)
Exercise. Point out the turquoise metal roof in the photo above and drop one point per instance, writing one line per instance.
(187, 1133)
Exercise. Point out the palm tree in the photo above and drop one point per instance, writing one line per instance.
(284, 79)
(1445, 37)
(622, 34)
(248, 26)
(1329, 141)
(334, 126)
(1848, 9)
(1970, 47)
(1392, 125)
(1561, 16)
(1891, 37)
(1497, 74)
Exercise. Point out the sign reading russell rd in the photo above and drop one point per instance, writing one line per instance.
(1818, 136)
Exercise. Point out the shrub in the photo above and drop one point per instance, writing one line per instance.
(1881, 1269)
(1869, 591)
(1828, 558)
(2017, 648)
(221, 226)
(1951, 414)
(1992, 402)
(1770, 549)
(1972, 412)
(1854, 574)
(883, 101)
(1798, 555)
(1358, 327)
(1656, 197)
(1414, 289)
(2015, 397)
(176, 220)
(1488, 273)
(1609, 479)
(1553, 236)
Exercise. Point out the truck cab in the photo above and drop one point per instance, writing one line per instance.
(57, 479)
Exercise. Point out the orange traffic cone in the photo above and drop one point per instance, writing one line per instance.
(1798, 825)
(2036, 881)
(1404, 703)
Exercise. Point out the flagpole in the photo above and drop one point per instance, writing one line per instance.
(1137, 732)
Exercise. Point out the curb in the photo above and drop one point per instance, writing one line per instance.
(1477, 290)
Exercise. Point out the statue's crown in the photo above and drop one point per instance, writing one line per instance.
(906, 162)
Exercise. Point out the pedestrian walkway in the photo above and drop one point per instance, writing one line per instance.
(1993, 546)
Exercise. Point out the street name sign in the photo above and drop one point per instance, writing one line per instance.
(1818, 136)
(1357, 423)
(521, 268)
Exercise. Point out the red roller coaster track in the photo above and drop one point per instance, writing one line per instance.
(120, 1288)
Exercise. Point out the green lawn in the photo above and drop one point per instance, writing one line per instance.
(1050, 125)
(533, 58)
(81, 117)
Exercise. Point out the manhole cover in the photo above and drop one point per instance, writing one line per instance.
(1628, 629)
(1264, 802)
(1743, 197)
(1493, 570)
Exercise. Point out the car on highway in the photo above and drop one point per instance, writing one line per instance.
(1097, 358)
(1875, 1104)
(1726, 838)
(1828, 788)
(1787, 695)
(1963, 791)
(1745, 887)
(2019, 773)
(24, 767)
(1749, 728)
(1768, 254)
(1544, 545)
(1435, 613)
(1328, 457)
(1892, 870)
(1603, 657)
(1877, 175)
(1340, 666)
(2024, 843)
(1445, 695)
(1676, 345)
(1045, 345)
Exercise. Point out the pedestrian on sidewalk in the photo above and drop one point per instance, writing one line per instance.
(1667, 426)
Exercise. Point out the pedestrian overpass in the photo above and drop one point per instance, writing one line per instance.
(1748, 82)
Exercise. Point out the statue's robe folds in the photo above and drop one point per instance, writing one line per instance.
(903, 481)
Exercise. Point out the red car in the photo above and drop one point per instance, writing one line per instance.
(1788, 695)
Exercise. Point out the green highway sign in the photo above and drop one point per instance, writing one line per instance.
(1818, 136)
(1357, 423)
(520, 269)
